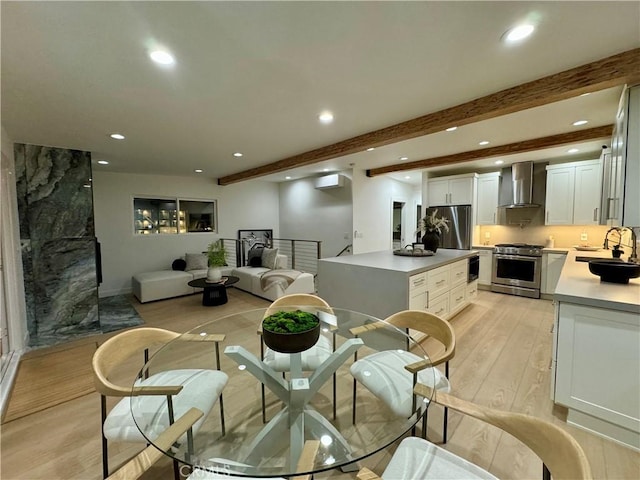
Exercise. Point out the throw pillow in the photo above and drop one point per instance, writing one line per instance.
(196, 261)
(269, 257)
(255, 257)
(179, 264)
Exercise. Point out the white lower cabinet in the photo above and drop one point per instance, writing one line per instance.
(486, 261)
(598, 370)
(439, 306)
(457, 298)
(447, 289)
(552, 264)
(438, 281)
(418, 301)
(472, 291)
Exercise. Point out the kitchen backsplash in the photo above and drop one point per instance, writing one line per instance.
(564, 236)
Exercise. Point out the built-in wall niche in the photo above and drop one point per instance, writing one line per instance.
(173, 216)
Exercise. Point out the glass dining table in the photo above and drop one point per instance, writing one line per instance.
(302, 408)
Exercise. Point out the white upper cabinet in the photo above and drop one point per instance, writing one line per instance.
(454, 190)
(487, 205)
(586, 198)
(573, 193)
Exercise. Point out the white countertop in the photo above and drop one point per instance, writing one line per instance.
(386, 260)
(578, 285)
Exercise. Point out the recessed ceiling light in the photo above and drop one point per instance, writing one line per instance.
(287, 178)
(117, 136)
(371, 149)
(103, 162)
(403, 158)
(198, 170)
(325, 169)
(518, 33)
(451, 129)
(162, 57)
(483, 142)
(573, 150)
(407, 177)
(326, 117)
(237, 154)
(499, 162)
(580, 122)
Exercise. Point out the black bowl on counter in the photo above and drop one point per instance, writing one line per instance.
(614, 271)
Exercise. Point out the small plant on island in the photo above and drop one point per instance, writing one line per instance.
(217, 254)
(290, 322)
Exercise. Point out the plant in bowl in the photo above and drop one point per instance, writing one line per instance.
(290, 332)
(432, 227)
(217, 257)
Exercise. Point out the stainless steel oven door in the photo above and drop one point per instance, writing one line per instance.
(516, 271)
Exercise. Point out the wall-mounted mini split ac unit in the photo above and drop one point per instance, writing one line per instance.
(330, 181)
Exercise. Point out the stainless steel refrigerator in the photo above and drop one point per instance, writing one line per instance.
(460, 226)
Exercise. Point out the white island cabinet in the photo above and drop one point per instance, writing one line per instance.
(596, 353)
(381, 284)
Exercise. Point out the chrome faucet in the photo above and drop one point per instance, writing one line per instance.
(633, 258)
(606, 237)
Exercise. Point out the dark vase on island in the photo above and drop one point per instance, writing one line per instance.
(431, 241)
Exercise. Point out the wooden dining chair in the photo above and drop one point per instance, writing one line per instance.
(311, 358)
(562, 456)
(391, 375)
(138, 465)
(162, 396)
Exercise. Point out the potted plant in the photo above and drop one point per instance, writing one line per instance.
(432, 226)
(216, 255)
(290, 332)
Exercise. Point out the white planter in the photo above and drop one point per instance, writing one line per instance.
(214, 274)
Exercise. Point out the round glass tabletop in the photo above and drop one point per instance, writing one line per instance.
(309, 424)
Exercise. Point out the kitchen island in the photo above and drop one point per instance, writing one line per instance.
(380, 283)
(596, 352)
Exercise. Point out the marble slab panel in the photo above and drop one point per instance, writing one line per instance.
(55, 207)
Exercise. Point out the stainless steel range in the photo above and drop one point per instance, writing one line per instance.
(516, 269)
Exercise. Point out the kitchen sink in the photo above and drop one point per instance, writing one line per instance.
(581, 258)
(613, 270)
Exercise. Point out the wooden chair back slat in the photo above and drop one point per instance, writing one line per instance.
(119, 348)
(558, 450)
(431, 325)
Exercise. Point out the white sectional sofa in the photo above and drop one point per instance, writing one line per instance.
(263, 282)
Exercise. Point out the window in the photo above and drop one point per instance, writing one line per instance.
(173, 216)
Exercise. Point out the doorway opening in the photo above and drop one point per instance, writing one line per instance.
(397, 233)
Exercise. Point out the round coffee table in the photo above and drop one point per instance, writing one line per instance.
(214, 294)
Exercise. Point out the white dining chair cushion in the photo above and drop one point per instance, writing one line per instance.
(222, 473)
(418, 459)
(312, 358)
(384, 375)
(201, 389)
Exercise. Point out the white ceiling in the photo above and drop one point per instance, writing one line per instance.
(253, 77)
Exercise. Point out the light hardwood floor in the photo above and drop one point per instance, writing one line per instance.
(502, 360)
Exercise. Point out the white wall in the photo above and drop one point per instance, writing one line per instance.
(248, 205)
(373, 210)
(307, 213)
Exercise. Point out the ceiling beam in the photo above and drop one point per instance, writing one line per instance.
(599, 75)
(501, 150)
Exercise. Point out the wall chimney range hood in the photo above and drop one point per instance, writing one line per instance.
(521, 186)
